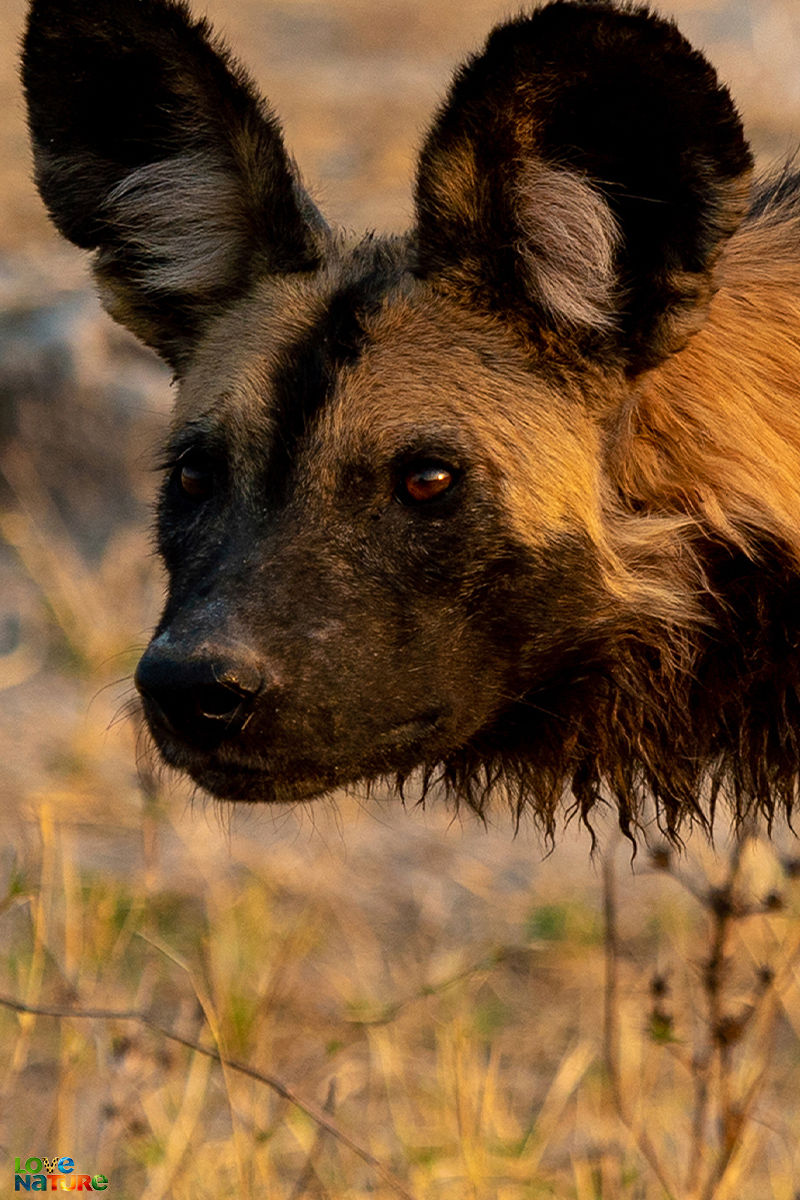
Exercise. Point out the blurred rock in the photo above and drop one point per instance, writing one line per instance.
(81, 404)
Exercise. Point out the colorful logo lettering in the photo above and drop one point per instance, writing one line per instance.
(38, 1173)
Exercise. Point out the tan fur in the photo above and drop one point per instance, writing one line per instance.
(434, 366)
(231, 375)
(456, 187)
(715, 431)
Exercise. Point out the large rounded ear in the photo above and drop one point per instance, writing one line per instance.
(581, 180)
(153, 147)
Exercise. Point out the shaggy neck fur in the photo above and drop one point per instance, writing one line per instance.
(703, 705)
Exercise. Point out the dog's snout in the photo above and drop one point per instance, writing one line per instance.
(201, 700)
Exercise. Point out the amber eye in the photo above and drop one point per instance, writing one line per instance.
(195, 476)
(426, 481)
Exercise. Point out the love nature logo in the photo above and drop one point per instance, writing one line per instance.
(40, 1174)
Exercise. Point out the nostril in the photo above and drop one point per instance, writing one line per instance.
(221, 701)
(202, 701)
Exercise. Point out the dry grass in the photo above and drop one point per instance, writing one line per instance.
(476, 1022)
(445, 1037)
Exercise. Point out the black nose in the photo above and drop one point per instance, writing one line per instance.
(201, 700)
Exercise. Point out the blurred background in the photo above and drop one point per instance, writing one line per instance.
(465, 1012)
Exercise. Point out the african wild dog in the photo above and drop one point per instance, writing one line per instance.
(513, 499)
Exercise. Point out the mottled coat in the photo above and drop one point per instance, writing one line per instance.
(513, 500)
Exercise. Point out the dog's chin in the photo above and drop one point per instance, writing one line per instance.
(227, 774)
(244, 782)
(250, 785)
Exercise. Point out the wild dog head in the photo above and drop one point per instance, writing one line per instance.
(392, 536)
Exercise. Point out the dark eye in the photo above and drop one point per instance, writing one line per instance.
(422, 482)
(194, 475)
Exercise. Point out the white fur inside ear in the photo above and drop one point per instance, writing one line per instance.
(568, 239)
(184, 218)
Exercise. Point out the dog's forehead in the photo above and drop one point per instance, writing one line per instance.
(430, 361)
(376, 362)
(232, 374)
(284, 321)
(386, 346)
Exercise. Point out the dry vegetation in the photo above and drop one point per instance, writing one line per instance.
(347, 1000)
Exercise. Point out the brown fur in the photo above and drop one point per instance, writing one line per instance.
(715, 430)
(590, 335)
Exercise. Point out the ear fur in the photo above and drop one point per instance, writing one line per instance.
(153, 147)
(581, 179)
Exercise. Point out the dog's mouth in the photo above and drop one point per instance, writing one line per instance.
(279, 775)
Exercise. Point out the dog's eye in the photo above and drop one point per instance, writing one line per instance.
(194, 475)
(422, 482)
